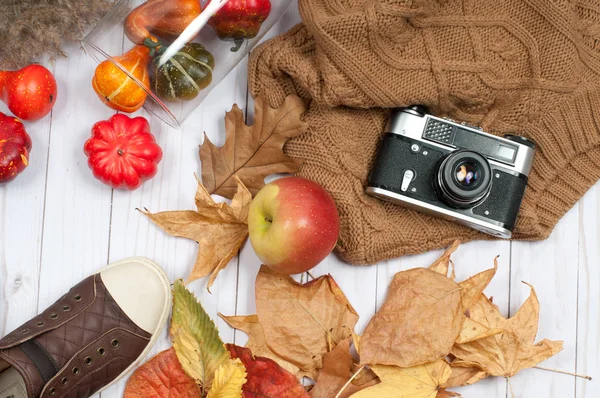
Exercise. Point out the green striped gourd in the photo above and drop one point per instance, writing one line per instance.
(183, 76)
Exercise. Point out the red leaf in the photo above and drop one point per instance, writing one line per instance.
(266, 379)
(161, 377)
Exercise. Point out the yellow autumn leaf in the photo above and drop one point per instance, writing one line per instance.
(229, 379)
(422, 381)
(195, 338)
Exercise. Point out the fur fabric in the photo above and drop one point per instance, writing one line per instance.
(31, 30)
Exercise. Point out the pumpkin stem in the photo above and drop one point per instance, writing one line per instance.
(155, 45)
(238, 45)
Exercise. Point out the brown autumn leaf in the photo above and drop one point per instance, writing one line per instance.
(423, 381)
(252, 152)
(337, 369)
(442, 265)
(302, 322)
(417, 324)
(505, 354)
(250, 325)
(220, 229)
(463, 376)
(161, 377)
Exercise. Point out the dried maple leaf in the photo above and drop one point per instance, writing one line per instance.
(252, 153)
(195, 338)
(418, 323)
(423, 381)
(463, 377)
(250, 325)
(473, 287)
(229, 379)
(337, 370)
(302, 322)
(266, 379)
(442, 265)
(506, 353)
(220, 229)
(161, 377)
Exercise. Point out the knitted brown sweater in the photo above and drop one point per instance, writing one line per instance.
(530, 67)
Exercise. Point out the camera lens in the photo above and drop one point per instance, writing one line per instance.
(468, 174)
(464, 179)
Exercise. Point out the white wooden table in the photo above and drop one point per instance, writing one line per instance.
(58, 225)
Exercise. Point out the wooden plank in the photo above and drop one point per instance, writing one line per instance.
(22, 205)
(77, 216)
(588, 319)
(551, 267)
(174, 188)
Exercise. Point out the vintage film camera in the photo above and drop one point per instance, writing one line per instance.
(452, 170)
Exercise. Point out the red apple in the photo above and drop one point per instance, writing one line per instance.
(293, 225)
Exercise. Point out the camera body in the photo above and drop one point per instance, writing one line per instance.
(452, 170)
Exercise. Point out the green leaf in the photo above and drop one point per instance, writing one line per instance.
(195, 338)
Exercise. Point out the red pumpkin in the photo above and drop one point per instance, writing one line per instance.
(30, 93)
(240, 19)
(15, 145)
(122, 152)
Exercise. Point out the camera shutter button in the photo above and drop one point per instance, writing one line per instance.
(409, 175)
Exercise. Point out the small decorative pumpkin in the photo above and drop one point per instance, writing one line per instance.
(183, 76)
(115, 88)
(15, 146)
(163, 18)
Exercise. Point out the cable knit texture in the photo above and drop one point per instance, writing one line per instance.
(527, 67)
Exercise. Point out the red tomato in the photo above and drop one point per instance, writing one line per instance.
(122, 152)
(15, 146)
(29, 93)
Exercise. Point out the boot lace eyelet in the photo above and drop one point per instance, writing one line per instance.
(66, 308)
(78, 297)
(115, 343)
(75, 371)
(101, 352)
(54, 316)
(52, 391)
(40, 323)
(64, 381)
(87, 361)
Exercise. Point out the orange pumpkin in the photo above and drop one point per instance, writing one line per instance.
(115, 88)
(165, 19)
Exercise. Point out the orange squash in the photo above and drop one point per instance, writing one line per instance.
(165, 19)
(115, 88)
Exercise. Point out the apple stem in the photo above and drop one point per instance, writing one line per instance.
(269, 219)
(311, 275)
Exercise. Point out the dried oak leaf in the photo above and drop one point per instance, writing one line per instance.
(266, 379)
(505, 354)
(220, 229)
(229, 379)
(337, 370)
(302, 322)
(161, 377)
(417, 324)
(252, 152)
(250, 325)
(423, 381)
(195, 338)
